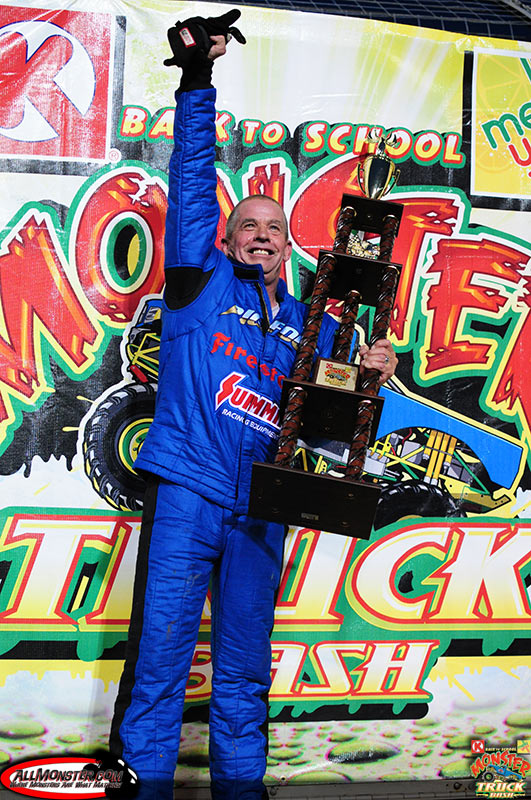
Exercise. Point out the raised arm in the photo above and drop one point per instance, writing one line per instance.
(193, 211)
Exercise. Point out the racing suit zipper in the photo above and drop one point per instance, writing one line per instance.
(266, 318)
(265, 322)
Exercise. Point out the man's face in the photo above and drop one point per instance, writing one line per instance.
(260, 237)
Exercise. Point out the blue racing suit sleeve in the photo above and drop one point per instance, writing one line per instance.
(191, 226)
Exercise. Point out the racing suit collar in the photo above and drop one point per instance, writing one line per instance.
(254, 272)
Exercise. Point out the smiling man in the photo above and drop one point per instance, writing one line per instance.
(229, 336)
(257, 233)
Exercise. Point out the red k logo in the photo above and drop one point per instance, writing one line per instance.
(477, 746)
(54, 83)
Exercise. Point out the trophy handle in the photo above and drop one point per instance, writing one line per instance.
(393, 181)
(360, 175)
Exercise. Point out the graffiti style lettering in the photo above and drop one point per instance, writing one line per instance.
(286, 667)
(452, 278)
(77, 592)
(83, 589)
(404, 143)
(250, 128)
(313, 140)
(424, 218)
(465, 290)
(373, 671)
(314, 571)
(451, 151)
(360, 137)
(468, 590)
(133, 122)
(114, 242)
(498, 757)
(318, 137)
(162, 125)
(427, 147)
(41, 306)
(137, 123)
(390, 669)
(110, 608)
(226, 200)
(510, 392)
(129, 205)
(339, 138)
(267, 178)
(385, 670)
(199, 685)
(477, 589)
(394, 669)
(224, 125)
(273, 134)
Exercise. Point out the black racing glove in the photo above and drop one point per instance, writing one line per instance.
(190, 43)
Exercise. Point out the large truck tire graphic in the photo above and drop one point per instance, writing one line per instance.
(113, 436)
(413, 499)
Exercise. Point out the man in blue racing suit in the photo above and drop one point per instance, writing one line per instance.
(229, 337)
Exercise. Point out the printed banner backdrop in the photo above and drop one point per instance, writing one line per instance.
(501, 113)
(389, 655)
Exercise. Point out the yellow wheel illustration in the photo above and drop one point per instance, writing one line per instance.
(113, 437)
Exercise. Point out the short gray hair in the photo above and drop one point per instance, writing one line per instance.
(235, 213)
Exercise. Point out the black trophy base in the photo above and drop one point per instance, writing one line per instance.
(305, 499)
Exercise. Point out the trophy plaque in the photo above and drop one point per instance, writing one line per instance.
(326, 397)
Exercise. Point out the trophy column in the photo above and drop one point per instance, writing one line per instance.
(334, 404)
(292, 418)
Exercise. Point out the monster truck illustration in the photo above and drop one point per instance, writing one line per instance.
(116, 429)
(495, 772)
(433, 464)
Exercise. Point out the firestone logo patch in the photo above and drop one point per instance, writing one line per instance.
(55, 88)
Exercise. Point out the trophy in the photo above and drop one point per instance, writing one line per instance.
(328, 398)
(377, 174)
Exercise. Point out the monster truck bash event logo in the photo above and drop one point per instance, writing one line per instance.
(501, 771)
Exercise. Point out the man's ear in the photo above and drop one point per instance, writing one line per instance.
(225, 246)
(287, 250)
